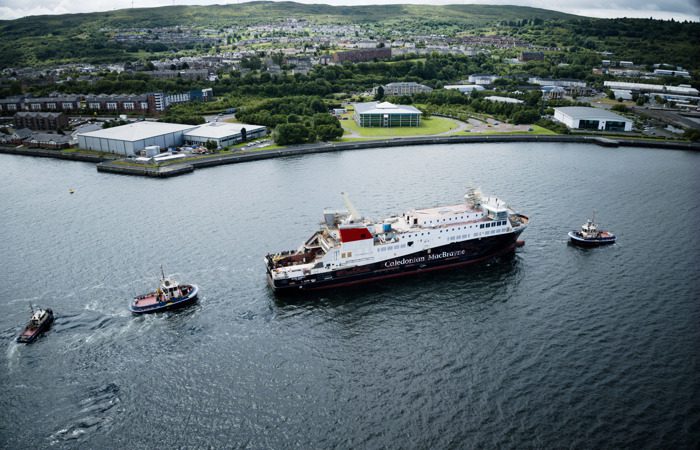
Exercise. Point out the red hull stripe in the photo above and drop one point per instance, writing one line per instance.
(354, 234)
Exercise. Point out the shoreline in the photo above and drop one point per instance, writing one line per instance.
(111, 165)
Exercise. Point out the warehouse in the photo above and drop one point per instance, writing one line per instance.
(132, 138)
(385, 114)
(223, 133)
(584, 118)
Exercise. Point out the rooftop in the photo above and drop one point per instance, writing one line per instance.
(219, 130)
(384, 108)
(584, 112)
(496, 98)
(138, 130)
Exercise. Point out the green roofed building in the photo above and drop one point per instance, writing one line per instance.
(385, 114)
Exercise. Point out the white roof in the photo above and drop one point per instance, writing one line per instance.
(584, 112)
(686, 90)
(465, 87)
(138, 131)
(220, 130)
(384, 108)
(496, 98)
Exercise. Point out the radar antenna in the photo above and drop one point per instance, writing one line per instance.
(354, 215)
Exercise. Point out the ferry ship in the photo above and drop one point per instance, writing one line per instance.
(349, 249)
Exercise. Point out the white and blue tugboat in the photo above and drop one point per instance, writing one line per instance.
(169, 295)
(591, 236)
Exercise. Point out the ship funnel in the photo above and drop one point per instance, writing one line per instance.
(354, 215)
(473, 197)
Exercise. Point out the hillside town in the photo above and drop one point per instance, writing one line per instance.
(53, 106)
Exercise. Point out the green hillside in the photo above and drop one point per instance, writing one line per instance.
(47, 40)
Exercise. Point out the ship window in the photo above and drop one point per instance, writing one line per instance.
(349, 254)
(410, 243)
(415, 221)
(481, 226)
(342, 255)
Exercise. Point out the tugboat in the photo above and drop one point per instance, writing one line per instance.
(169, 295)
(41, 321)
(591, 236)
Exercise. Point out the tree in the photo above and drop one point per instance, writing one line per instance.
(328, 132)
(292, 133)
(211, 146)
(380, 93)
(244, 135)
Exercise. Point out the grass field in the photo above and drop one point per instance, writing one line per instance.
(431, 126)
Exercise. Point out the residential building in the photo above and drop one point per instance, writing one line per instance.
(65, 103)
(48, 140)
(10, 105)
(531, 56)
(369, 54)
(40, 120)
(120, 104)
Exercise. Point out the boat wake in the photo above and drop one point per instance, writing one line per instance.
(96, 415)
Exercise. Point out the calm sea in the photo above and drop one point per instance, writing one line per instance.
(553, 347)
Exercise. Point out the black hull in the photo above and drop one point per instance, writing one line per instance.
(594, 242)
(439, 258)
(189, 300)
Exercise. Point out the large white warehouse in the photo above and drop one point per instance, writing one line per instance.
(132, 138)
(582, 117)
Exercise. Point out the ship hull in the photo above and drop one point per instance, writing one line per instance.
(449, 256)
(576, 239)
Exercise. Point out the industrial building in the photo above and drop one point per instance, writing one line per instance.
(132, 138)
(223, 133)
(482, 79)
(499, 99)
(403, 88)
(584, 118)
(645, 88)
(385, 114)
(465, 88)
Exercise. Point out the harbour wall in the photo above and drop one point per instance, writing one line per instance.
(108, 165)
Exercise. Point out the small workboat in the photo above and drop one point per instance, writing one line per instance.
(41, 321)
(169, 295)
(591, 236)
